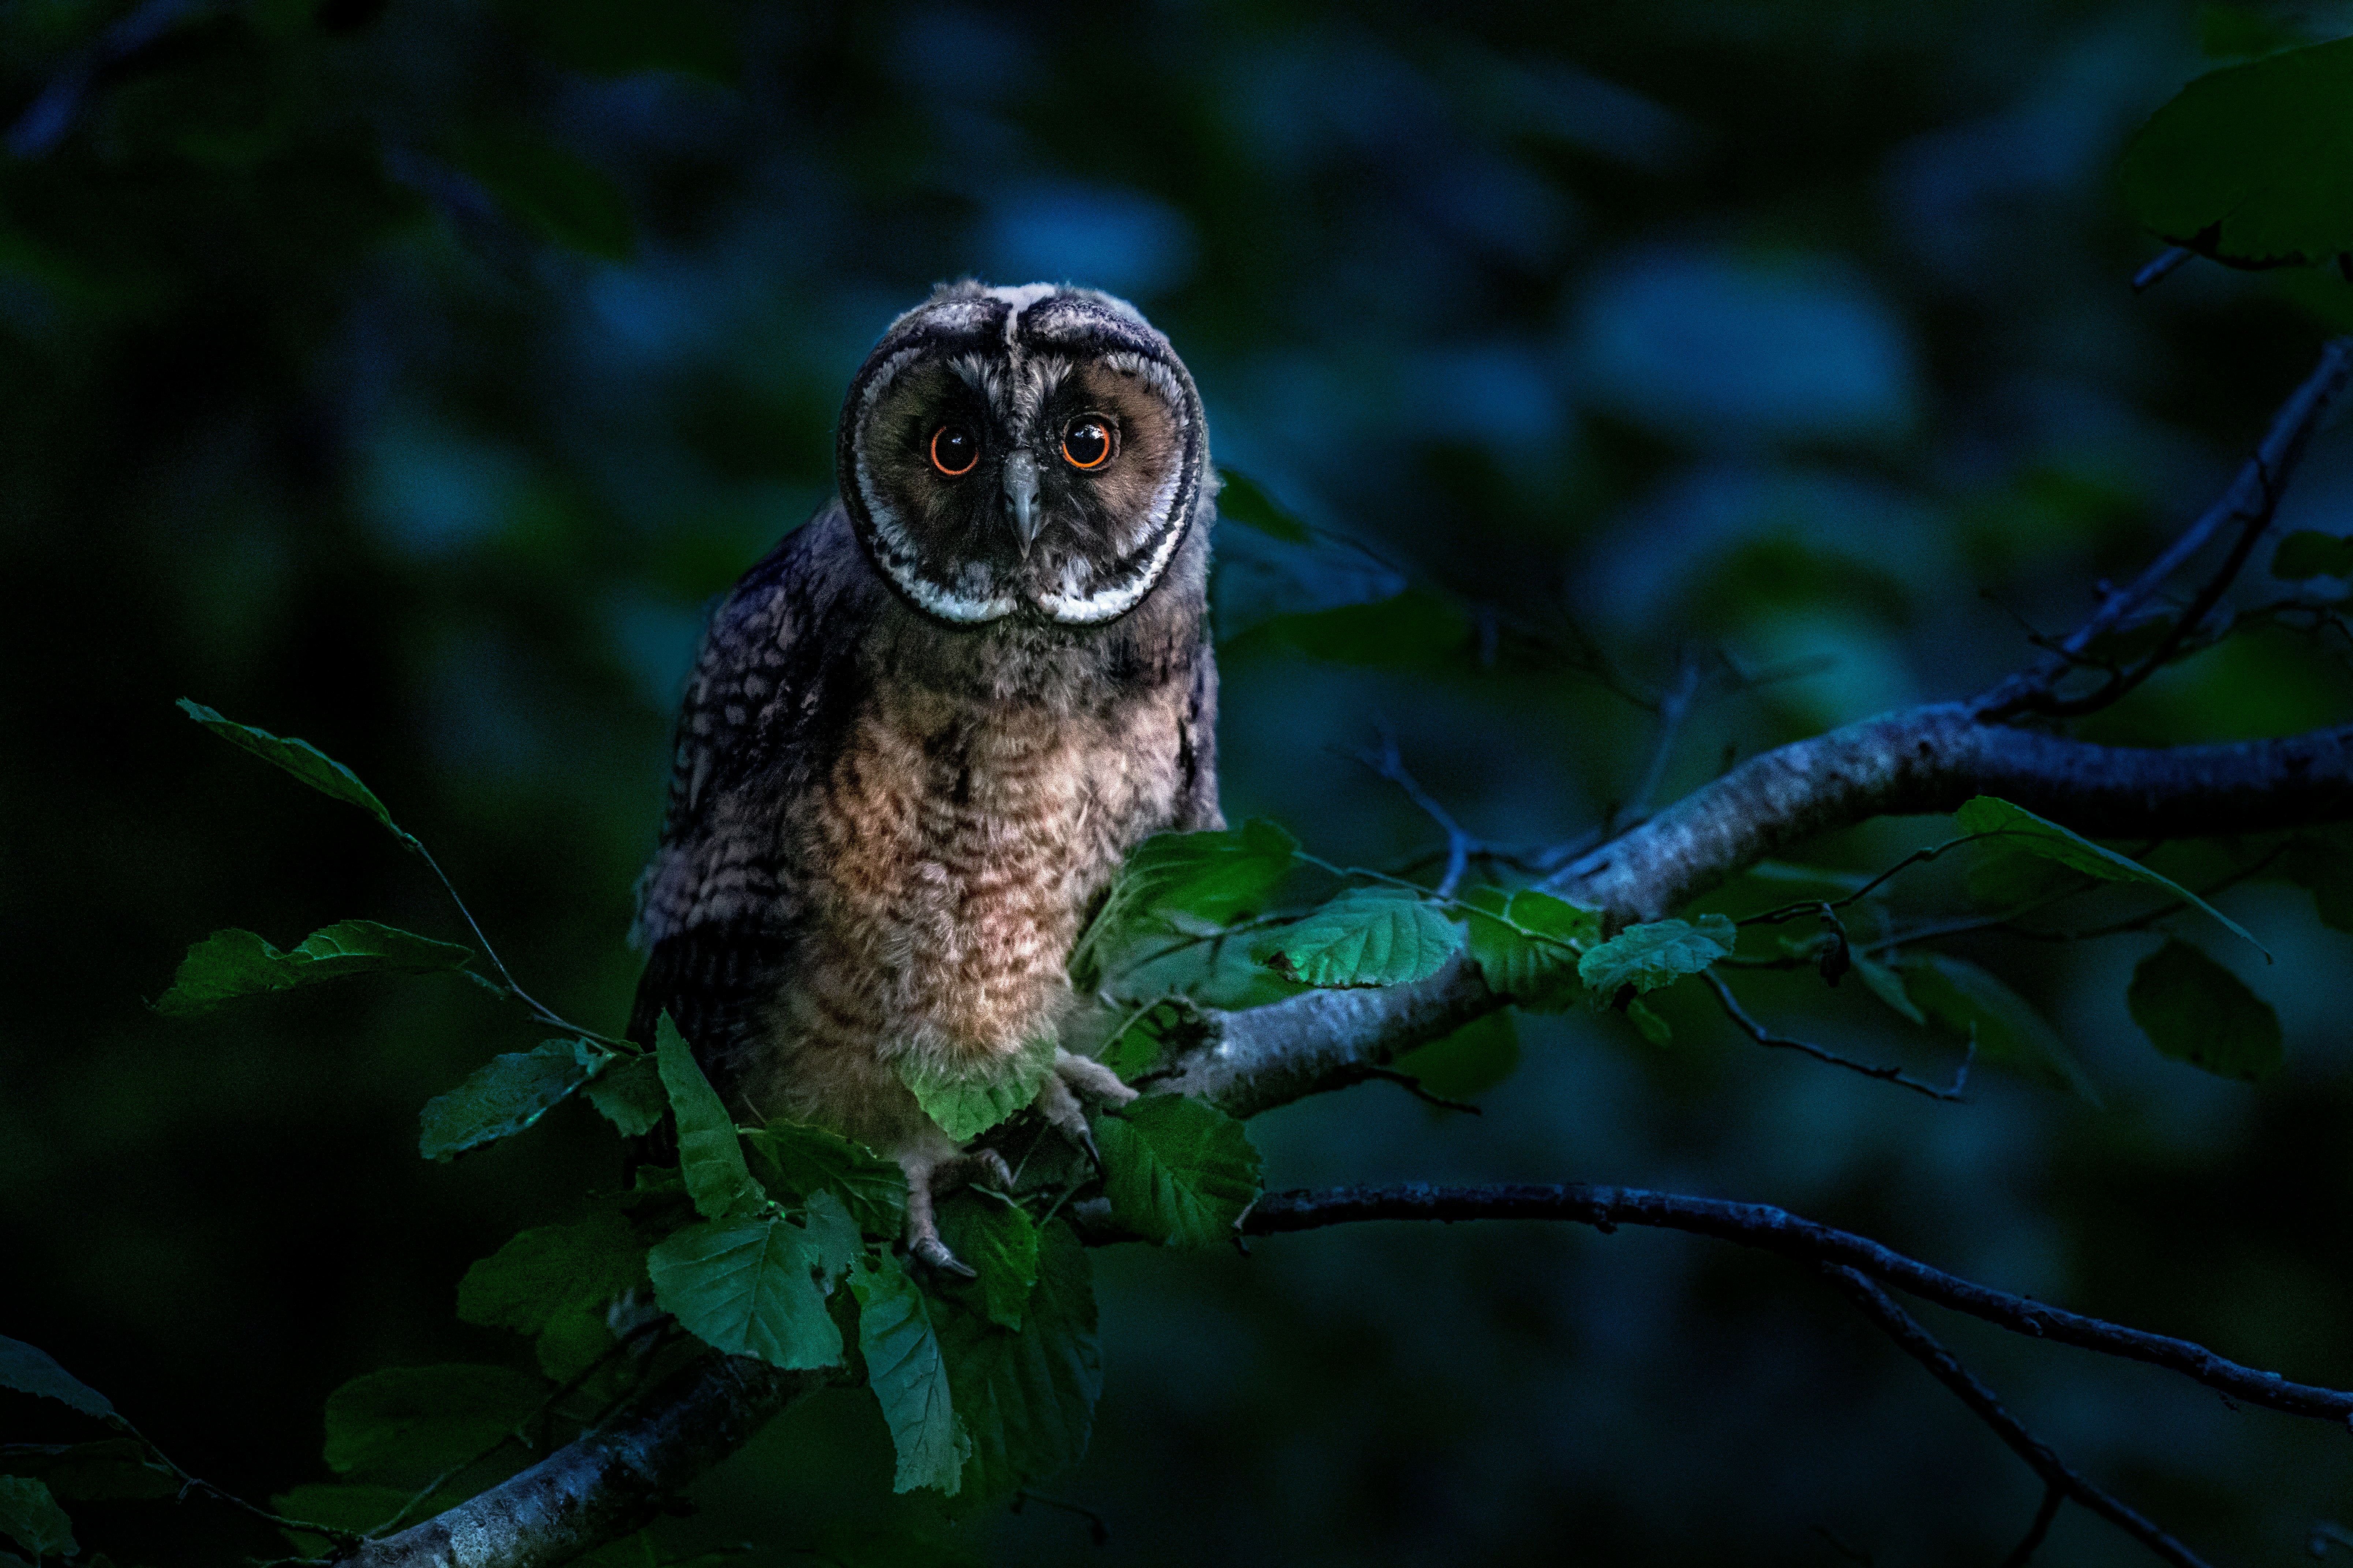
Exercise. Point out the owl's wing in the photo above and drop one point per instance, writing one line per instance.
(722, 905)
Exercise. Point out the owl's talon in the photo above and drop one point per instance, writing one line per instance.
(1088, 1077)
(934, 1251)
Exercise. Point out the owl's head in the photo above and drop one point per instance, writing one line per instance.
(1038, 451)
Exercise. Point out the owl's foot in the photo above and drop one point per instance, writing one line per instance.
(926, 1180)
(1058, 1098)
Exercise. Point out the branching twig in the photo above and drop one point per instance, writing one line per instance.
(1897, 1076)
(2036, 1529)
(2056, 1473)
(1771, 1229)
(1386, 761)
(1674, 707)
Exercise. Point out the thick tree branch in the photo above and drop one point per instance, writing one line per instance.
(1771, 1229)
(612, 1480)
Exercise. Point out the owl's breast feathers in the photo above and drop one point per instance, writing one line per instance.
(883, 834)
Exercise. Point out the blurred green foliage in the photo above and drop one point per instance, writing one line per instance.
(407, 375)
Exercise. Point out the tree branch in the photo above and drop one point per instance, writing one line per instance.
(2058, 1477)
(1771, 1229)
(612, 1480)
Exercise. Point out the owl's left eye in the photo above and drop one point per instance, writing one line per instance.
(1087, 442)
(955, 450)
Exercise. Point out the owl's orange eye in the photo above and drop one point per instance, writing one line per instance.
(1087, 442)
(955, 450)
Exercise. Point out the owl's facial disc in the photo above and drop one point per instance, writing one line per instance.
(1035, 452)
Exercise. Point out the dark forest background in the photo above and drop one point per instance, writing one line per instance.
(410, 376)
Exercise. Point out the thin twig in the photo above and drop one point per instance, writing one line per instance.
(1386, 761)
(2023, 1553)
(1366, 1072)
(1896, 1076)
(1674, 707)
(2251, 501)
(2057, 1474)
(2161, 267)
(1777, 1230)
(342, 1539)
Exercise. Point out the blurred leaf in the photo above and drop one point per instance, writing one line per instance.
(232, 963)
(849, 1544)
(1241, 500)
(1658, 954)
(750, 1288)
(2236, 32)
(1538, 968)
(28, 1369)
(31, 1517)
(358, 1509)
(2008, 1030)
(413, 1422)
(909, 1377)
(797, 1159)
(709, 1156)
(540, 1273)
(2195, 1010)
(501, 1098)
(1416, 629)
(575, 1340)
(550, 190)
(631, 1095)
(998, 1241)
(79, 1472)
(2023, 828)
(967, 1103)
(1887, 985)
(2305, 553)
(2019, 879)
(1469, 1062)
(1654, 1028)
(1257, 577)
(1218, 876)
(2323, 866)
(1366, 936)
(302, 759)
(2252, 164)
(1026, 1399)
(614, 37)
(1178, 1171)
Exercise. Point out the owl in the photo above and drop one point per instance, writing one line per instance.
(923, 732)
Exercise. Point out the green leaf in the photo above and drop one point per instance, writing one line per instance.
(574, 1341)
(2305, 553)
(849, 1543)
(82, 1472)
(996, 1239)
(2022, 828)
(1178, 1171)
(614, 37)
(540, 1273)
(1147, 1036)
(358, 1509)
(1026, 1399)
(1887, 985)
(1217, 877)
(709, 1157)
(232, 963)
(968, 1102)
(1417, 629)
(31, 1517)
(501, 1098)
(1469, 1062)
(28, 1369)
(796, 1158)
(1659, 954)
(1973, 1004)
(1653, 1027)
(750, 1288)
(1366, 936)
(2019, 879)
(629, 1094)
(909, 1377)
(413, 1422)
(551, 190)
(2195, 1010)
(2252, 164)
(1527, 942)
(302, 759)
(1242, 500)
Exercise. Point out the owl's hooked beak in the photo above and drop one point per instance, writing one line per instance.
(1021, 494)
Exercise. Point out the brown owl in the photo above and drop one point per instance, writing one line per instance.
(923, 732)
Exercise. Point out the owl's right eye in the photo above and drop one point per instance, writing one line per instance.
(955, 450)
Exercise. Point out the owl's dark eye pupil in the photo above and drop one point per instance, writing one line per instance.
(1086, 442)
(955, 450)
